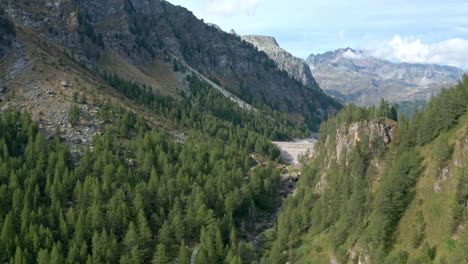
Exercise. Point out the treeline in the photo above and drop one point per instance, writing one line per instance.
(367, 194)
(206, 109)
(441, 113)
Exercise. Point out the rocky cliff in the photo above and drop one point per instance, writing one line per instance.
(354, 76)
(378, 134)
(140, 36)
(7, 35)
(295, 67)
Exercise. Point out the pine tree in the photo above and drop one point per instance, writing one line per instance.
(184, 256)
(74, 114)
(43, 257)
(144, 234)
(7, 241)
(236, 260)
(56, 254)
(19, 257)
(160, 257)
(132, 245)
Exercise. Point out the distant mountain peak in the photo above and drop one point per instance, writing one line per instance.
(296, 68)
(356, 76)
(348, 49)
(262, 41)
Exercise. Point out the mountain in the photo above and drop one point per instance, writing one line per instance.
(136, 39)
(354, 76)
(295, 67)
(381, 190)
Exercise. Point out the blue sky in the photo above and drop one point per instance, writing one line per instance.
(420, 31)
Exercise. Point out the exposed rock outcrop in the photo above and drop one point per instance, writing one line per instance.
(378, 133)
(295, 67)
(348, 136)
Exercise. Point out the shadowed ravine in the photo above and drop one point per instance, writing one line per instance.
(291, 153)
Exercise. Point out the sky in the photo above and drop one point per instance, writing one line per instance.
(415, 31)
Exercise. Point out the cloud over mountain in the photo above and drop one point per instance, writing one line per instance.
(452, 52)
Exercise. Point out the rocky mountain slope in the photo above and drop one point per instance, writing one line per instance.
(125, 114)
(139, 40)
(7, 34)
(353, 76)
(295, 67)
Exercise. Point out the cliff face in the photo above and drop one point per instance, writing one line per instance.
(377, 136)
(145, 34)
(354, 76)
(295, 67)
(7, 35)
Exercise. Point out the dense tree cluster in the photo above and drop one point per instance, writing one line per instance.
(136, 195)
(136, 202)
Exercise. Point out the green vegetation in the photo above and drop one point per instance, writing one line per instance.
(379, 200)
(136, 195)
(85, 29)
(209, 111)
(74, 114)
(409, 108)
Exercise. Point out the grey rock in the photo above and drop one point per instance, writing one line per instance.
(215, 26)
(357, 77)
(296, 68)
(142, 31)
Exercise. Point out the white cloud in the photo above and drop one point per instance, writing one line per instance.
(349, 54)
(231, 7)
(452, 52)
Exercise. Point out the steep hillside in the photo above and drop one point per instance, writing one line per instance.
(140, 37)
(354, 76)
(106, 159)
(295, 67)
(380, 191)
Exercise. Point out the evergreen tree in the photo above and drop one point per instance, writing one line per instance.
(184, 256)
(74, 114)
(160, 256)
(7, 239)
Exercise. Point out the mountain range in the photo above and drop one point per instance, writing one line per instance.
(354, 76)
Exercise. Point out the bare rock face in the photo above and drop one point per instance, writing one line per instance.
(354, 76)
(296, 68)
(143, 32)
(379, 132)
(7, 35)
(348, 136)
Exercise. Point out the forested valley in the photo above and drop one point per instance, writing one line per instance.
(138, 195)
